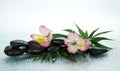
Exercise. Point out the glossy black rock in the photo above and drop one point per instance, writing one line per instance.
(57, 41)
(96, 51)
(18, 43)
(34, 48)
(53, 48)
(24, 48)
(13, 52)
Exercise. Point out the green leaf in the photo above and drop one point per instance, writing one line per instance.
(48, 57)
(100, 45)
(80, 31)
(81, 54)
(34, 57)
(102, 33)
(68, 30)
(97, 39)
(93, 32)
(54, 56)
(44, 56)
(86, 34)
(58, 36)
(67, 55)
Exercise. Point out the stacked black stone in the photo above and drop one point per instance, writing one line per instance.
(16, 48)
(19, 47)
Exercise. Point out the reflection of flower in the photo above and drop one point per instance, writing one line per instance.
(75, 43)
(44, 39)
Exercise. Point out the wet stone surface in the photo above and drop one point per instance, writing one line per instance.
(34, 48)
(18, 43)
(12, 52)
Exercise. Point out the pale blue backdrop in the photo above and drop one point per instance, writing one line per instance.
(20, 18)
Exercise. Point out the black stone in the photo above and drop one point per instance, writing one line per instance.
(63, 47)
(34, 48)
(13, 52)
(57, 41)
(32, 42)
(24, 48)
(18, 43)
(53, 48)
(96, 51)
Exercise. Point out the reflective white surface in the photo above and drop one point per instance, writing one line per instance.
(20, 18)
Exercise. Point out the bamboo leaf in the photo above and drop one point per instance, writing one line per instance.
(102, 33)
(80, 31)
(97, 39)
(59, 35)
(81, 54)
(68, 30)
(93, 32)
(100, 45)
(86, 34)
(54, 56)
(44, 56)
(67, 55)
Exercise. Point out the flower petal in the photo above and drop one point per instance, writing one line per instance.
(39, 38)
(45, 31)
(87, 45)
(67, 41)
(72, 49)
(87, 42)
(73, 36)
(46, 44)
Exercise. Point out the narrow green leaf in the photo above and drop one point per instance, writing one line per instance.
(86, 34)
(72, 57)
(54, 56)
(44, 56)
(102, 33)
(97, 39)
(81, 54)
(48, 57)
(67, 55)
(59, 35)
(80, 31)
(93, 32)
(100, 45)
(68, 30)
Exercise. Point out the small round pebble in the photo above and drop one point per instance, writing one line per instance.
(12, 52)
(18, 43)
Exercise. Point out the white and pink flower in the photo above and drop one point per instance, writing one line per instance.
(44, 39)
(74, 43)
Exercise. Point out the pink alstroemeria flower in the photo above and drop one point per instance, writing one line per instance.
(44, 39)
(74, 43)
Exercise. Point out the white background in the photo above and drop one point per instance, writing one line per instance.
(20, 18)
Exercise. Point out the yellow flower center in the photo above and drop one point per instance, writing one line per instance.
(80, 44)
(40, 39)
